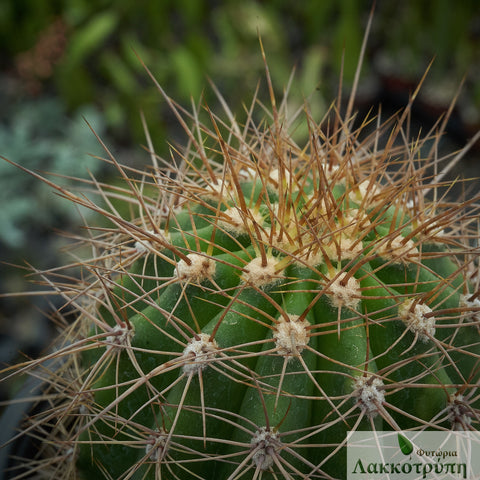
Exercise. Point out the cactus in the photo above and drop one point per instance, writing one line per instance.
(261, 299)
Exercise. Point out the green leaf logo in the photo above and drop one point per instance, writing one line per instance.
(405, 445)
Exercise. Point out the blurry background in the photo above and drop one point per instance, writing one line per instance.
(63, 61)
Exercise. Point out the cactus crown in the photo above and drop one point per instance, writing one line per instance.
(262, 299)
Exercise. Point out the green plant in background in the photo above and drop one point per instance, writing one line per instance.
(41, 137)
(261, 299)
(183, 41)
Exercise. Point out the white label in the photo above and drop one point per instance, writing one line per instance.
(413, 455)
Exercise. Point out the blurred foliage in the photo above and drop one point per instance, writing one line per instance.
(40, 136)
(419, 31)
(183, 42)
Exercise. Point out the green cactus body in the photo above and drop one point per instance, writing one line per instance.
(265, 299)
(288, 301)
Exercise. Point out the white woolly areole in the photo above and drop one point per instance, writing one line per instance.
(265, 443)
(343, 247)
(155, 447)
(433, 230)
(143, 246)
(254, 273)
(330, 171)
(198, 353)
(238, 222)
(473, 315)
(291, 336)
(344, 293)
(459, 413)
(217, 190)
(362, 190)
(275, 176)
(396, 248)
(247, 173)
(370, 395)
(416, 320)
(200, 268)
(120, 337)
(354, 221)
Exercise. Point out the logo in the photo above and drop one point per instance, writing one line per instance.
(405, 444)
(440, 455)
